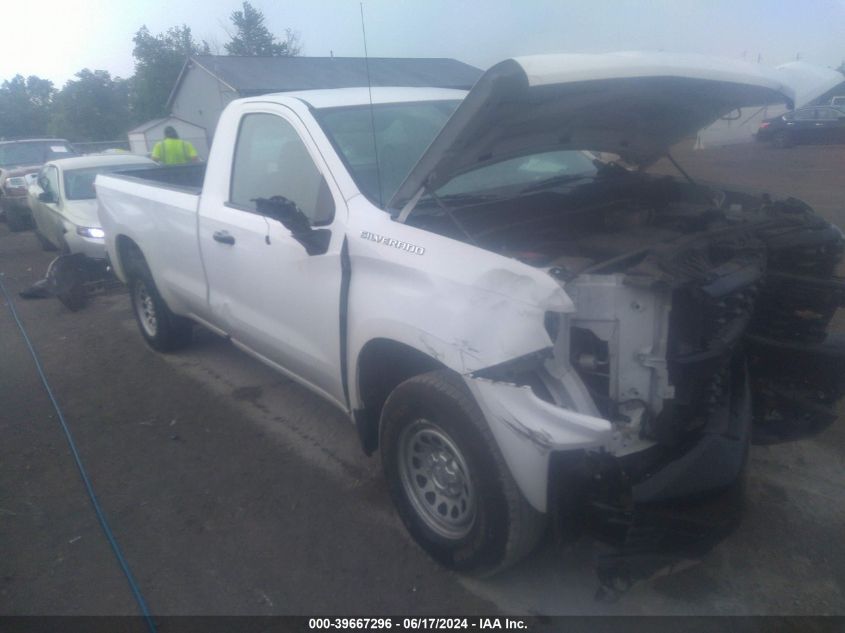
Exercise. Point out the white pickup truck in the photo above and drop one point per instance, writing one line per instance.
(519, 327)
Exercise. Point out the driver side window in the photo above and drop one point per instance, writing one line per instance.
(271, 160)
(42, 179)
(48, 180)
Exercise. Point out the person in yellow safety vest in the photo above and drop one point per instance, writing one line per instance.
(173, 150)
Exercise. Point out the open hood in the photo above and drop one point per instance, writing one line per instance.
(636, 105)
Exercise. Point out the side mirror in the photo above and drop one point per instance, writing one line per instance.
(46, 196)
(315, 241)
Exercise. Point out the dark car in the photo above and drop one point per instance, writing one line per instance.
(17, 159)
(815, 124)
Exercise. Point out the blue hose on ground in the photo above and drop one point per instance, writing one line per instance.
(133, 586)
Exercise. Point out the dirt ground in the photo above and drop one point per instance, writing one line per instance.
(233, 491)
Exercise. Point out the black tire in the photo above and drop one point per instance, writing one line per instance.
(782, 140)
(17, 219)
(161, 329)
(497, 527)
(66, 281)
(46, 245)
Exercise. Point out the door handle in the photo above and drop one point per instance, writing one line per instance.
(223, 237)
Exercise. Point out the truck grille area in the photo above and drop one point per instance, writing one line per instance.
(802, 293)
(710, 315)
(797, 308)
(768, 291)
(705, 333)
(797, 367)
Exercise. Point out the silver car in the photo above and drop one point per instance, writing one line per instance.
(63, 201)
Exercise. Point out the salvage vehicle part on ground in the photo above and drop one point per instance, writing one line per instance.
(74, 278)
(522, 331)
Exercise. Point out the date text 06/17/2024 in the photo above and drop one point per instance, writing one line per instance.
(417, 624)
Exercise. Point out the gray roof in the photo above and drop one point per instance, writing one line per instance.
(153, 122)
(257, 75)
(147, 125)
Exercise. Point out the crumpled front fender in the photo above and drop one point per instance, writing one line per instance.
(465, 307)
(528, 429)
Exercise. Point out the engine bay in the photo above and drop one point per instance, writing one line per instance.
(681, 290)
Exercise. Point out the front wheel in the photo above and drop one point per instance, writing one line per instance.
(161, 329)
(448, 480)
(46, 245)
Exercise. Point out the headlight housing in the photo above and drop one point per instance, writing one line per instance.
(90, 231)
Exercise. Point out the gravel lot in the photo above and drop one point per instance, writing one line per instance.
(234, 491)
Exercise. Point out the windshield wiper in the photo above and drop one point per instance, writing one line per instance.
(554, 181)
(459, 198)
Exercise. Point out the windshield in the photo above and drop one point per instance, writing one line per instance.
(532, 171)
(33, 153)
(79, 183)
(403, 131)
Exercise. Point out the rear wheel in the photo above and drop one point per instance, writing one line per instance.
(161, 329)
(448, 480)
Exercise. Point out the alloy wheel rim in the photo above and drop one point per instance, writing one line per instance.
(436, 479)
(145, 308)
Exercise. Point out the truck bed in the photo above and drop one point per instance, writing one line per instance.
(186, 178)
(156, 209)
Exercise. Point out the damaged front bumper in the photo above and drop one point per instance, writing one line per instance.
(710, 459)
(708, 336)
(561, 459)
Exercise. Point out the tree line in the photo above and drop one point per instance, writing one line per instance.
(94, 106)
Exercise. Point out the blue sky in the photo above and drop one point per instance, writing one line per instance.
(58, 38)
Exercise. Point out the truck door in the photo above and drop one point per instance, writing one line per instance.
(265, 289)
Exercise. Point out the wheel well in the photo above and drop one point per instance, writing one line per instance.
(129, 254)
(383, 364)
